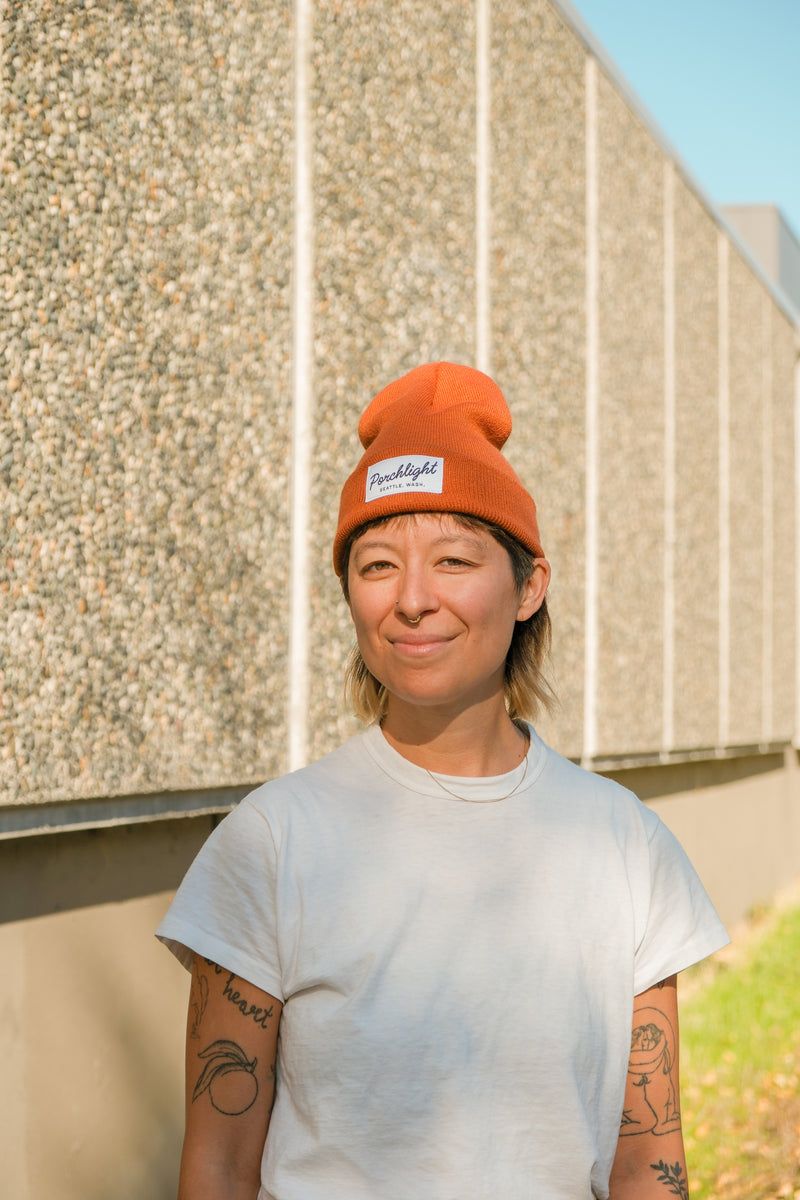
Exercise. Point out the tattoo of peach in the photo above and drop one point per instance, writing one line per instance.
(229, 1078)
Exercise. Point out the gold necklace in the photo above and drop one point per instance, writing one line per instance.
(468, 800)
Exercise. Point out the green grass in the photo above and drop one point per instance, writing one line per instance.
(740, 1067)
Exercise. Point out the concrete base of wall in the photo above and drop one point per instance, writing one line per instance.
(738, 820)
(92, 1009)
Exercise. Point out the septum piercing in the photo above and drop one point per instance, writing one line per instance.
(411, 620)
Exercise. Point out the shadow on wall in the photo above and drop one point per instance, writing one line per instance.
(665, 779)
(58, 872)
(100, 1011)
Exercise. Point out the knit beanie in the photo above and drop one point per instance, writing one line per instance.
(432, 443)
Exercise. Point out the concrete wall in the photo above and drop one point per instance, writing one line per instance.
(91, 1013)
(153, 365)
(222, 229)
(146, 215)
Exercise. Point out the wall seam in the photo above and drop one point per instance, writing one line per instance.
(767, 486)
(723, 369)
(302, 391)
(483, 347)
(591, 615)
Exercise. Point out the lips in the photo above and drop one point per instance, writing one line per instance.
(420, 643)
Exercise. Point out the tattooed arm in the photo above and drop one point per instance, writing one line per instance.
(650, 1163)
(231, 1044)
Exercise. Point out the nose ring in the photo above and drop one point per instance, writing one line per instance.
(411, 620)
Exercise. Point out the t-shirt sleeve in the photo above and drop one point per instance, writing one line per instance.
(682, 926)
(225, 908)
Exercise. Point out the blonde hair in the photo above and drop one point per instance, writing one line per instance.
(525, 687)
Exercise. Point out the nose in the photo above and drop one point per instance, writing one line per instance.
(416, 594)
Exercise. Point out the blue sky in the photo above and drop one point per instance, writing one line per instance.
(721, 79)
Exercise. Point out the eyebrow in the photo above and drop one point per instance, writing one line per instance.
(444, 539)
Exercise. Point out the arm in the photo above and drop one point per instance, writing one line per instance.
(649, 1163)
(231, 1046)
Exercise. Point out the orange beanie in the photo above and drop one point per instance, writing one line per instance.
(432, 443)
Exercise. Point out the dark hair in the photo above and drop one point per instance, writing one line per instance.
(526, 689)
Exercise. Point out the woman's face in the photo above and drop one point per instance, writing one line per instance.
(434, 605)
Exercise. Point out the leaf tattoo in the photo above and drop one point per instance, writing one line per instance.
(229, 1078)
(672, 1178)
(199, 1000)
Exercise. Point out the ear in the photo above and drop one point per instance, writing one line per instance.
(534, 589)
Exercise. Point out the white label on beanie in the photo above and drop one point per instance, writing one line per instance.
(409, 473)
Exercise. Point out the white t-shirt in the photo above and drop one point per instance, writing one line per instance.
(457, 977)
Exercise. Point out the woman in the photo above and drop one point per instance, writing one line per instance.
(467, 943)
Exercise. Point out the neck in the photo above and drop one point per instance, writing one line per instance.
(481, 741)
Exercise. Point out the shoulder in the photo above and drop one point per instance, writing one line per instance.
(279, 816)
(337, 774)
(595, 808)
(575, 784)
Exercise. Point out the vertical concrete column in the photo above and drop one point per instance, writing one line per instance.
(145, 237)
(780, 400)
(483, 189)
(592, 491)
(748, 561)
(767, 501)
(538, 306)
(723, 348)
(393, 143)
(695, 637)
(631, 442)
(302, 388)
(668, 683)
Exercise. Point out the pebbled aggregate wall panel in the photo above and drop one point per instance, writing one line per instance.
(145, 242)
(149, 227)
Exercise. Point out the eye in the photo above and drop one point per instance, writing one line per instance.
(455, 563)
(375, 567)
